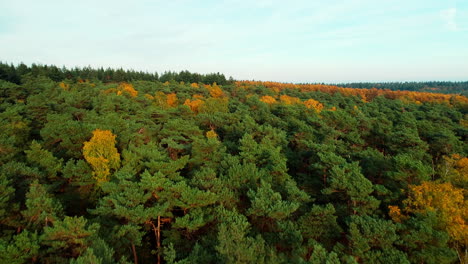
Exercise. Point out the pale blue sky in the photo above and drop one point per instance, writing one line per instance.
(291, 41)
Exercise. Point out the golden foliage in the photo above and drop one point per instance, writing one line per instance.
(100, 152)
(165, 100)
(123, 88)
(289, 100)
(395, 213)
(64, 86)
(268, 99)
(446, 201)
(127, 88)
(365, 94)
(314, 104)
(194, 104)
(215, 90)
(211, 134)
(275, 89)
(195, 85)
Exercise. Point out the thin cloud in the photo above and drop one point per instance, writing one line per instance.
(450, 18)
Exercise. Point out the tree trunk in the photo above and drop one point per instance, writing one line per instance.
(135, 257)
(157, 235)
(158, 239)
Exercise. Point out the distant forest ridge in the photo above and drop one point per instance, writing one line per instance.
(430, 86)
(13, 73)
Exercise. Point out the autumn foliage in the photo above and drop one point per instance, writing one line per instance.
(446, 201)
(364, 94)
(314, 104)
(215, 90)
(123, 89)
(289, 100)
(172, 100)
(211, 134)
(268, 99)
(100, 152)
(194, 104)
(164, 100)
(246, 172)
(128, 89)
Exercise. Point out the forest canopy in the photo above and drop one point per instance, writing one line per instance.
(121, 166)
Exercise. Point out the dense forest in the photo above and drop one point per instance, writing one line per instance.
(12, 73)
(114, 166)
(436, 87)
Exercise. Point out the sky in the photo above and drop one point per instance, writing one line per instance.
(289, 41)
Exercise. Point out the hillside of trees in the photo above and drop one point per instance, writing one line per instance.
(114, 166)
(435, 87)
(13, 73)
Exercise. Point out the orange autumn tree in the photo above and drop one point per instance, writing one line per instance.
(165, 101)
(289, 100)
(314, 104)
(171, 100)
(123, 88)
(268, 99)
(128, 88)
(194, 104)
(100, 152)
(447, 202)
(215, 90)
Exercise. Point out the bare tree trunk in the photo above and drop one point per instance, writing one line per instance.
(135, 257)
(158, 239)
(157, 235)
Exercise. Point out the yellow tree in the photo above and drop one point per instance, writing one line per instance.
(289, 100)
(314, 104)
(100, 152)
(211, 134)
(215, 90)
(268, 99)
(448, 203)
(194, 104)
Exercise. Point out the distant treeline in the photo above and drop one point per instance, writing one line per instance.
(433, 86)
(12, 73)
